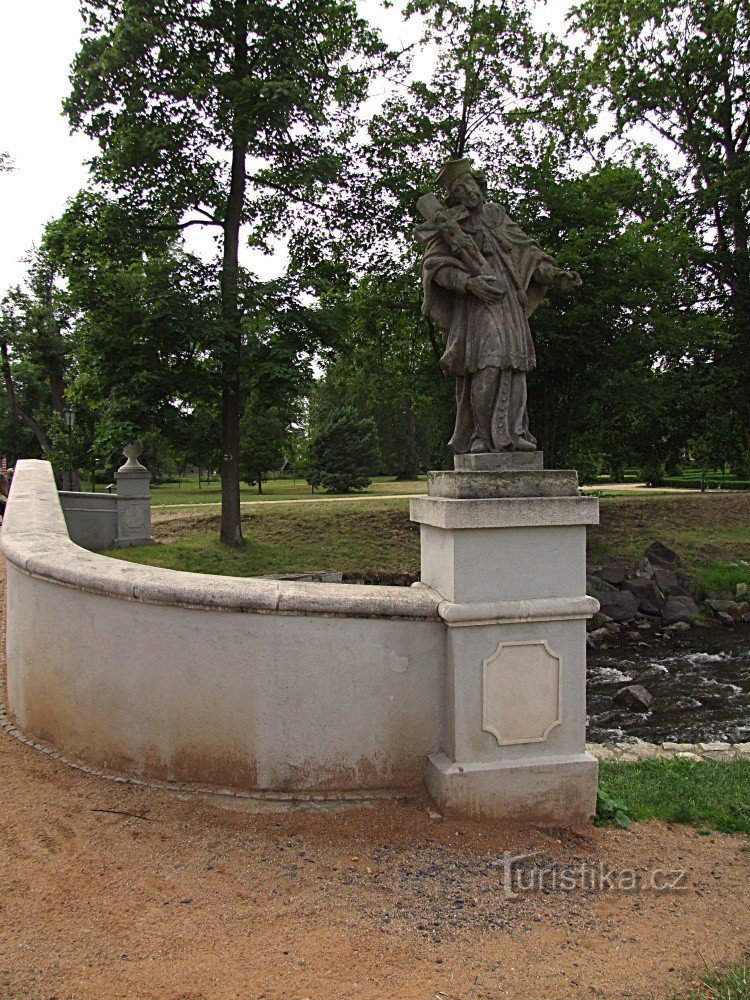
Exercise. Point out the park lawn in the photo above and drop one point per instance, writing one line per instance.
(731, 985)
(186, 491)
(711, 795)
(365, 536)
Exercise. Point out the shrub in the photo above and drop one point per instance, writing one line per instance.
(344, 452)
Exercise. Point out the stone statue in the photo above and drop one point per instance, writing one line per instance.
(482, 278)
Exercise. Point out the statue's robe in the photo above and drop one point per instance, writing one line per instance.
(478, 335)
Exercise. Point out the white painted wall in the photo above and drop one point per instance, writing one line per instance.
(237, 682)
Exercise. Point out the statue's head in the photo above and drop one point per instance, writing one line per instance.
(462, 185)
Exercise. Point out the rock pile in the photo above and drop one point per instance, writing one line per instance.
(658, 594)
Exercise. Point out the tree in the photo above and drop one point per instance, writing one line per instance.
(681, 69)
(36, 351)
(262, 434)
(343, 452)
(220, 113)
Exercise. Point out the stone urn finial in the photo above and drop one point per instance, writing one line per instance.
(131, 452)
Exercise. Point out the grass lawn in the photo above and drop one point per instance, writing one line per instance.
(376, 536)
(187, 491)
(710, 795)
(370, 537)
(733, 985)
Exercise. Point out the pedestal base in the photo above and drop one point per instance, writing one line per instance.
(506, 461)
(558, 791)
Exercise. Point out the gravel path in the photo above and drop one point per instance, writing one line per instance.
(112, 890)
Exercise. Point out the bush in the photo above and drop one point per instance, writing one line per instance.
(344, 452)
(653, 474)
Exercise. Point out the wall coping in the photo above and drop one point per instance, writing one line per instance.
(35, 539)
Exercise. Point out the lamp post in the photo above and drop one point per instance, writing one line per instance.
(70, 416)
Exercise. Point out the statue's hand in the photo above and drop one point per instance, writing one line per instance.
(488, 289)
(569, 281)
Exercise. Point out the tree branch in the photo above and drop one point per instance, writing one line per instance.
(15, 409)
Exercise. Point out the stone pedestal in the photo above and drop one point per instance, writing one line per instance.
(133, 501)
(506, 548)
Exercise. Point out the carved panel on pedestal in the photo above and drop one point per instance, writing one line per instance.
(521, 692)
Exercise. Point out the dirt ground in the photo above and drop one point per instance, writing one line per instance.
(193, 900)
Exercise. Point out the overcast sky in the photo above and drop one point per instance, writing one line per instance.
(38, 39)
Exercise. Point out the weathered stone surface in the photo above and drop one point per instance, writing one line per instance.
(741, 591)
(634, 697)
(678, 609)
(506, 512)
(669, 583)
(678, 627)
(596, 586)
(489, 347)
(659, 555)
(613, 575)
(597, 621)
(648, 595)
(746, 617)
(724, 607)
(620, 605)
(724, 618)
(486, 484)
(510, 461)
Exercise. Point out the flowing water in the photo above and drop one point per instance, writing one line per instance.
(700, 681)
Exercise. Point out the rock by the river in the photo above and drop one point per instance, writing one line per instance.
(634, 697)
(613, 575)
(619, 605)
(648, 595)
(659, 555)
(669, 583)
(678, 609)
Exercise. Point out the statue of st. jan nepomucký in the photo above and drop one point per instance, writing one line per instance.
(482, 278)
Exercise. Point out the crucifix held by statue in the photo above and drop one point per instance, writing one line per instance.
(482, 278)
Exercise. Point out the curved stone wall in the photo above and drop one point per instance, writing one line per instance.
(243, 683)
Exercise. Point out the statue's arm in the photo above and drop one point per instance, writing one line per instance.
(452, 278)
(486, 287)
(549, 273)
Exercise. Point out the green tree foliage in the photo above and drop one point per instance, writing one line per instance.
(219, 114)
(36, 357)
(681, 70)
(633, 332)
(262, 436)
(344, 451)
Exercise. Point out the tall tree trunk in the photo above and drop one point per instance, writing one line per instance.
(15, 409)
(231, 526)
(409, 464)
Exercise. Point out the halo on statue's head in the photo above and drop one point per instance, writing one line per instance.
(451, 170)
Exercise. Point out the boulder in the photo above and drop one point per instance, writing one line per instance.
(677, 627)
(678, 609)
(634, 697)
(645, 569)
(597, 621)
(730, 608)
(600, 635)
(620, 605)
(746, 617)
(741, 591)
(595, 586)
(648, 595)
(659, 555)
(669, 583)
(724, 618)
(613, 575)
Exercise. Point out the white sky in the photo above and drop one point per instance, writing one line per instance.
(38, 39)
